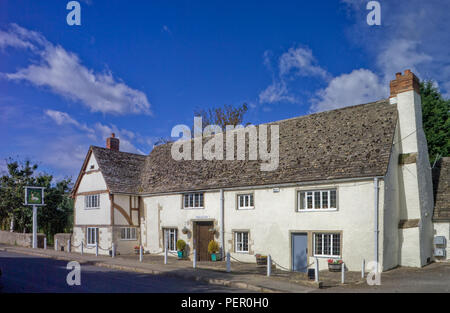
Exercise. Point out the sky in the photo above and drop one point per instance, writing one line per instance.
(139, 68)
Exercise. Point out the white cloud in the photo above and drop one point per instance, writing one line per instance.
(297, 61)
(62, 118)
(360, 86)
(413, 36)
(300, 61)
(399, 55)
(277, 92)
(166, 29)
(99, 132)
(63, 73)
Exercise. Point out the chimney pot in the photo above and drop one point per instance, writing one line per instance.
(112, 142)
(403, 83)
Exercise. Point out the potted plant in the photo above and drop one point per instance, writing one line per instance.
(261, 259)
(185, 230)
(181, 245)
(334, 265)
(136, 249)
(213, 248)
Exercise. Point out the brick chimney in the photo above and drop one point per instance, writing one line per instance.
(415, 187)
(112, 142)
(403, 83)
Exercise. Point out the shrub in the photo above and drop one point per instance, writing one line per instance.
(213, 247)
(181, 245)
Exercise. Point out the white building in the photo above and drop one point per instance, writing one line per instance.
(353, 183)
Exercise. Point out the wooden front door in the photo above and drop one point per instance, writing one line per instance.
(202, 238)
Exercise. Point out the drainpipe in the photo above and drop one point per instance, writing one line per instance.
(376, 231)
(222, 222)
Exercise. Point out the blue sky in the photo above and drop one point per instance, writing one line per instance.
(139, 68)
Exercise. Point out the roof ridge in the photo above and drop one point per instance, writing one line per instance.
(106, 149)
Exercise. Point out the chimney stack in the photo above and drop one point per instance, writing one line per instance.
(112, 142)
(405, 82)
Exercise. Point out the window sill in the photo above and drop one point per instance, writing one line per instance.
(242, 252)
(92, 208)
(199, 208)
(128, 239)
(245, 209)
(327, 256)
(317, 210)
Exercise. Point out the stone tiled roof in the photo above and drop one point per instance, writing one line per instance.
(350, 142)
(441, 187)
(345, 143)
(121, 170)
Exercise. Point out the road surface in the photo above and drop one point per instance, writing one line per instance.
(24, 273)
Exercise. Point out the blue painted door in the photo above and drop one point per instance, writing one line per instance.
(299, 252)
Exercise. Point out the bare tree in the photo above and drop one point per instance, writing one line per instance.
(222, 116)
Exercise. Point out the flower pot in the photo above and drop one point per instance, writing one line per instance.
(213, 257)
(334, 267)
(180, 254)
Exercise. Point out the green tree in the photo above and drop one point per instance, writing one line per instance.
(436, 122)
(57, 214)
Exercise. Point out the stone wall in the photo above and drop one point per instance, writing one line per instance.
(20, 239)
(62, 241)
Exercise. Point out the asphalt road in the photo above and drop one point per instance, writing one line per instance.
(24, 273)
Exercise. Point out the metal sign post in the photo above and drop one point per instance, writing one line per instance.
(34, 196)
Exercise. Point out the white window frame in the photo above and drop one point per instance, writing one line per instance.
(193, 198)
(96, 236)
(92, 202)
(128, 233)
(248, 199)
(239, 241)
(311, 194)
(323, 255)
(171, 240)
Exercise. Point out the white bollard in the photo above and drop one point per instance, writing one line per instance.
(363, 268)
(45, 243)
(316, 270)
(56, 244)
(96, 249)
(140, 253)
(113, 253)
(82, 247)
(269, 265)
(165, 247)
(343, 273)
(69, 246)
(194, 263)
(228, 262)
